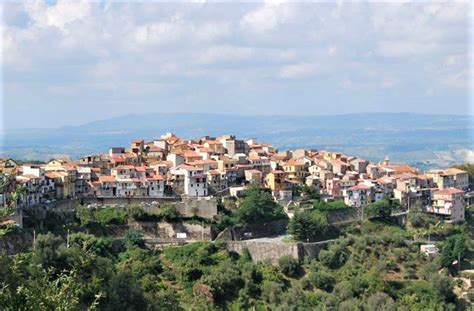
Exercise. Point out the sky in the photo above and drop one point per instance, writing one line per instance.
(72, 62)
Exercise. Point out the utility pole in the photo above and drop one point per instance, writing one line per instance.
(34, 239)
(67, 239)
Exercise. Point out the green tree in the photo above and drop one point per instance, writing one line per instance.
(289, 266)
(454, 248)
(308, 225)
(258, 206)
(383, 208)
(322, 279)
(380, 302)
(124, 293)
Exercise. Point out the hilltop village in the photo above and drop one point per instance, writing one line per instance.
(173, 167)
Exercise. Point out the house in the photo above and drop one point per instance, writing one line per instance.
(216, 181)
(32, 195)
(358, 195)
(450, 178)
(64, 178)
(106, 186)
(233, 145)
(358, 165)
(339, 167)
(194, 180)
(176, 159)
(156, 186)
(137, 146)
(123, 171)
(155, 152)
(261, 163)
(275, 180)
(191, 156)
(83, 180)
(116, 151)
(449, 204)
(429, 250)
(253, 176)
(216, 147)
(296, 170)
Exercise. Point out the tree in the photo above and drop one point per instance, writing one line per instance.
(322, 279)
(308, 193)
(454, 248)
(124, 293)
(308, 225)
(133, 237)
(289, 266)
(382, 209)
(380, 302)
(225, 282)
(258, 206)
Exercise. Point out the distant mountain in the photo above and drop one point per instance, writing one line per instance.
(405, 137)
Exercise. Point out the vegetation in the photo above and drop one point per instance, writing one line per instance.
(372, 268)
(371, 265)
(258, 206)
(383, 208)
(308, 225)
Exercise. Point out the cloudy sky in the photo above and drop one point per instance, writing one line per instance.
(67, 63)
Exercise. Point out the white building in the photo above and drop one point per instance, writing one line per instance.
(195, 180)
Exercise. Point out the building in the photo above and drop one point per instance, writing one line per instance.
(449, 204)
(358, 195)
(194, 180)
(296, 170)
(450, 178)
(275, 180)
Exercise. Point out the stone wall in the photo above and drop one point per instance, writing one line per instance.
(260, 251)
(265, 250)
(269, 229)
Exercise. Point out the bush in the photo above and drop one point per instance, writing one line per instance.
(289, 266)
(169, 213)
(322, 280)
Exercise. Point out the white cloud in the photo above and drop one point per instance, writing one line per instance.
(245, 48)
(301, 70)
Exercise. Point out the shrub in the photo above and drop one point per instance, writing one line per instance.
(322, 280)
(289, 266)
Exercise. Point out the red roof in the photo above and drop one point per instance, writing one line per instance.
(156, 177)
(359, 187)
(107, 178)
(191, 154)
(53, 175)
(294, 162)
(448, 191)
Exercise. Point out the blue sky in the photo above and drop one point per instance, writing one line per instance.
(68, 63)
